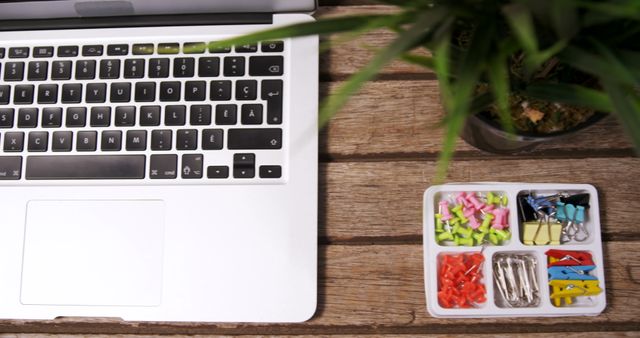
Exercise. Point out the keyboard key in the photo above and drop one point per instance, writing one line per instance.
(38, 70)
(120, 92)
(272, 46)
(38, 141)
(234, 66)
(272, 93)
(61, 141)
(125, 116)
(18, 52)
(85, 70)
(48, 94)
(142, 49)
(209, 67)
(191, 166)
(270, 171)
(194, 47)
(220, 91)
(200, 115)
(76, 117)
(14, 71)
(244, 165)
(145, 91)
(10, 167)
(5, 94)
(168, 48)
(92, 50)
(14, 141)
(68, 51)
(218, 171)
(42, 52)
(27, 117)
(2, 52)
(109, 69)
(187, 139)
(255, 139)
(61, 70)
(170, 91)
(174, 115)
(266, 65)
(111, 140)
(251, 114)
(195, 91)
(96, 93)
(51, 117)
(248, 48)
(226, 114)
(71, 93)
(85, 167)
(121, 49)
(136, 140)
(158, 68)
(212, 139)
(87, 141)
(163, 166)
(6, 117)
(220, 50)
(246, 90)
(134, 68)
(161, 140)
(100, 117)
(23, 94)
(184, 67)
(149, 116)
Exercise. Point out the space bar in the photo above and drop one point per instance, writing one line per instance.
(85, 167)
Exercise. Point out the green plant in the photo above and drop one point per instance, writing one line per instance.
(474, 43)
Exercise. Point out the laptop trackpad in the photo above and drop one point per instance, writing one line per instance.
(93, 253)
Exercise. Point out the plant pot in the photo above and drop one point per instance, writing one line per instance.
(486, 134)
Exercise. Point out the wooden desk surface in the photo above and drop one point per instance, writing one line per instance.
(377, 157)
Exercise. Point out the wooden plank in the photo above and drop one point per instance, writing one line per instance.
(620, 334)
(378, 289)
(382, 201)
(396, 118)
(346, 56)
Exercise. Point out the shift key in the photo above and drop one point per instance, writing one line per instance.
(263, 138)
(10, 167)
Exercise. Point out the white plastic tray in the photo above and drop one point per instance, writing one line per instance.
(593, 306)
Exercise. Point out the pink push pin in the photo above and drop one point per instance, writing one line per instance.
(461, 198)
(488, 208)
(498, 221)
(505, 218)
(444, 210)
(474, 200)
(473, 222)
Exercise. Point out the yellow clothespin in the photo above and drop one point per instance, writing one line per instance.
(568, 289)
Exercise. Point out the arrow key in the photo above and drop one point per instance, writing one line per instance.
(270, 171)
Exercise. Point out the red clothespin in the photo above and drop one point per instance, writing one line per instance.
(569, 258)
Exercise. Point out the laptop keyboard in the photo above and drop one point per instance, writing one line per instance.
(174, 110)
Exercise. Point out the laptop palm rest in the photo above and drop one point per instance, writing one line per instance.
(93, 252)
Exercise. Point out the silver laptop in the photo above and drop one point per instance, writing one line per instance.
(147, 177)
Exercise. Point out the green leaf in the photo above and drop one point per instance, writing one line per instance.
(334, 102)
(596, 65)
(564, 18)
(570, 94)
(620, 9)
(519, 18)
(323, 26)
(499, 79)
(627, 108)
(419, 60)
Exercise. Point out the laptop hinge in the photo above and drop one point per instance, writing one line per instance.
(139, 21)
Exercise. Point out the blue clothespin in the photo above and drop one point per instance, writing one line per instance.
(571, 272)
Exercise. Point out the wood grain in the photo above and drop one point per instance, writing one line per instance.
(378, 289)
(400, 118)
(367, 202)
(619, 334)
